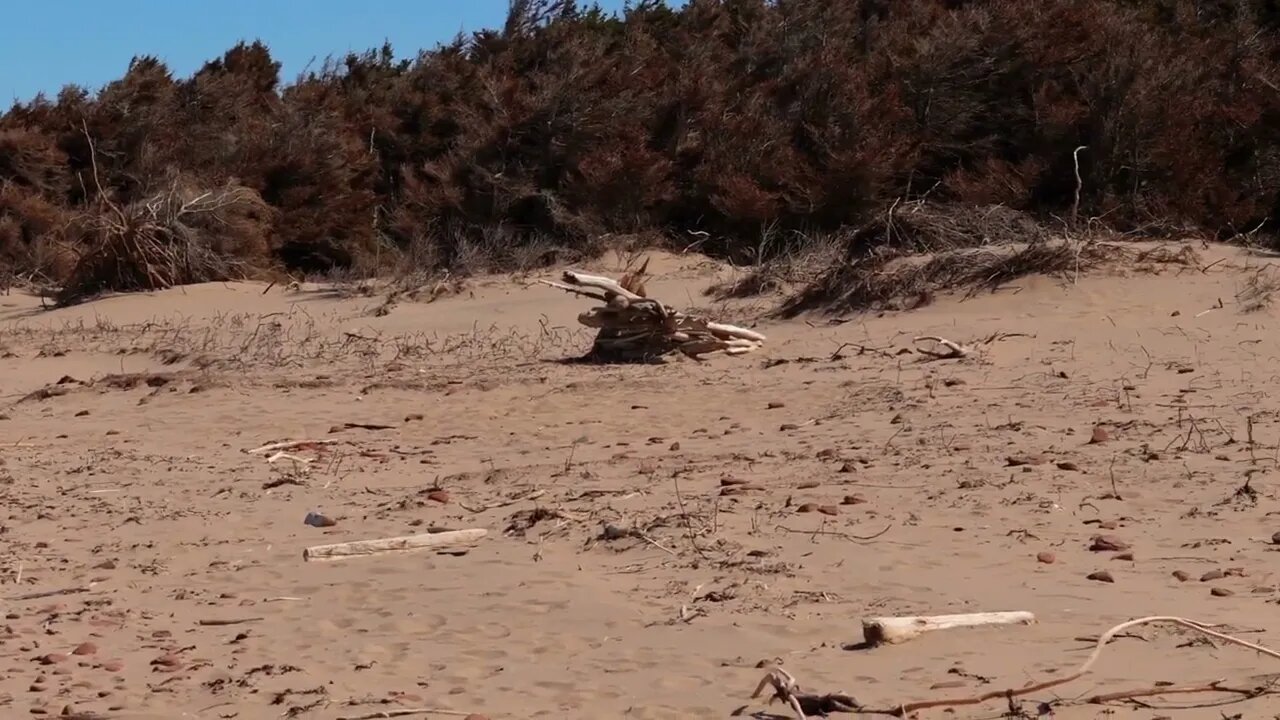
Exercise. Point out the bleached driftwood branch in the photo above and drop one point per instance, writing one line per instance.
(635, 327)
(891, 630)
(441, 541)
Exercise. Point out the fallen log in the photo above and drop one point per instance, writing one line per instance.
(439, 542)
(890, 630)
(633, 327)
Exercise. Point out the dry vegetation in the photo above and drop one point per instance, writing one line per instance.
(749, 129)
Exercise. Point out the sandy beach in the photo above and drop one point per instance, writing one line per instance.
(1108, 450)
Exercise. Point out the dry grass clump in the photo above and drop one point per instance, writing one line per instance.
(901, 259)
(1259, 290)
(177, 237)
(924, 227)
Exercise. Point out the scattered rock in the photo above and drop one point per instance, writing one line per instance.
(112, 665)
(85, 648)
(808, 485)
(1221, 592)
(52, 658)
(315, 519)
(168, 662)
(1099, 435)
(82, 413)
(807, 508)
(787, 427)
(1212, 575)
(1275, 539)
(853, 500)
(1101, 576)
(1123, 556)
(412, 417)
(775, 405)
(1046, 557)
(1020, 460)
(1181, 575)
(1068, 465)
(440, 496)
(828, 510)
(1107, 543)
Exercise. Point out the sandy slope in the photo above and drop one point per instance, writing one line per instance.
(141, 486)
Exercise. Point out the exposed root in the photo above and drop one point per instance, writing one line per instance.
(634, 328)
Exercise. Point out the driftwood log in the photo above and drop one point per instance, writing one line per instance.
(892, 630)
(633, 327)
(448, 541)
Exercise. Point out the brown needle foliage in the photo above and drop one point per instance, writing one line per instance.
(734, 120)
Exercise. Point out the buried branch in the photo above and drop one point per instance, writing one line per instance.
(632, 327)
(804, 705)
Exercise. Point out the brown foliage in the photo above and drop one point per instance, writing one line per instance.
(743, 119)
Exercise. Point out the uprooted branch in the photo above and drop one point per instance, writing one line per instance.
(803, 704)
(634, 327)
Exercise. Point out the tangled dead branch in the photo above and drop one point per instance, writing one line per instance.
(805, 704)
(635, 328)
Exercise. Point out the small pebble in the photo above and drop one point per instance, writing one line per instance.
(315, 519)
(1107, 543)
(1181, 575)
(1221, 592)
(1101, 576)
(1046, 557)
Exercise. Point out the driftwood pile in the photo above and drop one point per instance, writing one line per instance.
(636, 328)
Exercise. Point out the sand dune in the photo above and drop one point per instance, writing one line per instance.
(128, 479)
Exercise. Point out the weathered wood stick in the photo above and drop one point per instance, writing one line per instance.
(574, 290)
(573, 277)
(876, 631)
(734, 331)
(50, 593)
(406, 712)
(288, 444)
(449, 540)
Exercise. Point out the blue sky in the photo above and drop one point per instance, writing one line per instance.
(51, 43)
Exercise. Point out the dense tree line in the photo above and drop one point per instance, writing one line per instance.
(751, 123)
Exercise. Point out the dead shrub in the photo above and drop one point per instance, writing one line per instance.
(894, 279)
(922, 227)
(913, 251)
(177, 237)
(1259, 290)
